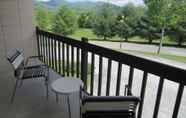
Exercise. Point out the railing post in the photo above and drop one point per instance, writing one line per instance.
(84, 63)
(131, 74)
(37, 38)
(178, 101)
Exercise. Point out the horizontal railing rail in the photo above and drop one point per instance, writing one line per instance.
(71, 57)
(169, 72)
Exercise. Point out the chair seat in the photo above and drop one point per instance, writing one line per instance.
(35, 72)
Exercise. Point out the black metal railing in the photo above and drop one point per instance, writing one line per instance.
(75, 58)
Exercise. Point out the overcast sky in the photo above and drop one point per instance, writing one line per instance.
(117, 2)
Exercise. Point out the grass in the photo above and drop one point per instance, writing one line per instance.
(161, 55)
(168, 56)
(70, 70)
(85, 32)
(88, 33)
(70, 67)
(174, 57)
(75, 66)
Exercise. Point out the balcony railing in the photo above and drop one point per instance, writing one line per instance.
(75, 58)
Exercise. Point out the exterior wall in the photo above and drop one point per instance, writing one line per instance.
(16, 26)
(16, 31)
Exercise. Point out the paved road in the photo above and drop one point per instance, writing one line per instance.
(141, 47)
(147, 48)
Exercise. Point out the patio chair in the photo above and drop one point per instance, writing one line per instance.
(108, 106)
(22, 71)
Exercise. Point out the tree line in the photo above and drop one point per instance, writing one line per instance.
(155, 20)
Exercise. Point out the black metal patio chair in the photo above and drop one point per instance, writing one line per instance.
(24, 71)
(108, 106)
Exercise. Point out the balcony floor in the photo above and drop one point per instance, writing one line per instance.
(30, 100)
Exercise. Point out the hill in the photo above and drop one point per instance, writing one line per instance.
(77, 6)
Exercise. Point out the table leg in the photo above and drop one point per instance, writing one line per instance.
(68, 101)
(57, 97)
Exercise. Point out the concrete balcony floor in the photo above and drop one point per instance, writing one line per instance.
(30, 100)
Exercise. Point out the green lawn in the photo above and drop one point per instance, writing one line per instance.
(85, 32)
(161, 55)
(78, 34)
(88, 33)
(168, 56)
(174, 57)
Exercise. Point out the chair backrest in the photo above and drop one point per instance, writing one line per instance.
(16, 59)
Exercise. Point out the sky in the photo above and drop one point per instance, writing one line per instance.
(117, 2)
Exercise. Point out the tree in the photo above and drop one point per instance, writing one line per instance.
(147, 30)
(127, 21)
(104, 23)
(178, 32)
(44, 18)
(164, 13)
(85, 20)
(123, 28)
(65, 21)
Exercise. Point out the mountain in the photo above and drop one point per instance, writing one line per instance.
(77, 6)
(52, 4)
(87, 5)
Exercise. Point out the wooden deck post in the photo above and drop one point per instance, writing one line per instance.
(84, 64)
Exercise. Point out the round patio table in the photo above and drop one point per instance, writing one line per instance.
(66, 86)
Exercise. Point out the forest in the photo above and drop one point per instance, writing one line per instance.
(158, 21)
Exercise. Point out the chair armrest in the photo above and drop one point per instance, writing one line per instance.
(35, 56)
(83, 93)
(111, 99)
(36, 66)
(109, 103)
(31, 57)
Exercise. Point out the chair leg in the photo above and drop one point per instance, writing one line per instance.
(21, 83)
(47, 81)
(14, 91)
(46, 84)
(69, 109)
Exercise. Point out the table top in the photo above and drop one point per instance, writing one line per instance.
(66, 85)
